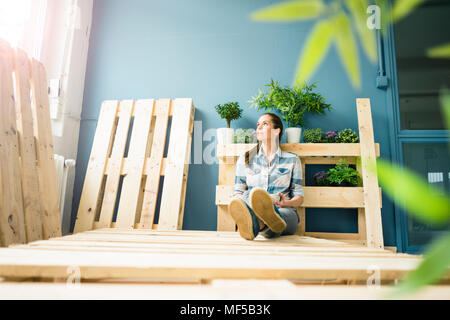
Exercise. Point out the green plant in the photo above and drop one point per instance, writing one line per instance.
(337, 24)
(321, 179)
(342, 173)
(330, 137)
(347, 136)
(291, 102)
(245, 136)
(229, 111)
(313, 135)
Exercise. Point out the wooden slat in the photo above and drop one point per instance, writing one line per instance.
(300, 149)
(51, 220)
(154, 163)
(105, 264)
(178, 154)
(216, 290)
(227, 167)
(361, 212)
(12, 229)
(137, 154)
(301, 211)
(315, 197)
(30, 177)
(372, 197)
(115, 163)
(96, 166)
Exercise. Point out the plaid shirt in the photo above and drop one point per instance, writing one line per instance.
(283, 175)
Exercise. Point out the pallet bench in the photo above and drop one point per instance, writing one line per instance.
(366, 198)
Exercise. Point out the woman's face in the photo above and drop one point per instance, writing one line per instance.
(265, 129)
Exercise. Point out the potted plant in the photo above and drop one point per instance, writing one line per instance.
(321, 179)
(342, 175)
(330, 136)
(313, 135)
(228, 111)
(245, 136)
(292, 103)
(347, 136)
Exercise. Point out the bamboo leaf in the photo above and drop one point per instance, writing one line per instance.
(442, 51)
(402, 8)
(423, 201)
(347, 49)
(433, 267)
(314, 50)
(290, 11)
(366, 36)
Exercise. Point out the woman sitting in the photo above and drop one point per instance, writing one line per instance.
(268, 186)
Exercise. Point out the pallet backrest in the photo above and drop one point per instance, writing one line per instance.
(139, 170)
(366, 198)
(29, 208)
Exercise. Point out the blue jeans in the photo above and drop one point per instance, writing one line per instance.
(289, 215)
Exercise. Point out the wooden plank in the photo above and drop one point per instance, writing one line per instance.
(372, 197)
(51, 219)
(301, 211)
(333, 197)
(154, 163)
(30, 177)
(216, 290)
(301, 149)
(98, 265)
(198, 249)
(227, 167)
(96, 166)
(147, 167)
(315, 197)
(12, 229)
(115, 163)
(361, 212)
(137, 154)
(172, 200)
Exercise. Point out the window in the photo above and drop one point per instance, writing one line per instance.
(20, 27)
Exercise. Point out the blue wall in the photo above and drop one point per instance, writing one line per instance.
(209, 50)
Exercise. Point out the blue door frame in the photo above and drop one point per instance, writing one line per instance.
(398, 137)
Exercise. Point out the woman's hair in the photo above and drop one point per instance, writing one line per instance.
(277, 124)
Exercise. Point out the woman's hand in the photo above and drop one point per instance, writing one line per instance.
(286, 202)
(282, 202)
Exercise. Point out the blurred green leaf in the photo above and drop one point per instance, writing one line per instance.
(402, 8)
(444, 96)
(442, 51)
(433, 267)
(367, 37)
(291, 11)
(423, 201)
(347, 49)
(314, 50)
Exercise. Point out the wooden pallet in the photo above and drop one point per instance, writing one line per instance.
(27, 167)
(182, 255)
(141, 168)
(366, 198)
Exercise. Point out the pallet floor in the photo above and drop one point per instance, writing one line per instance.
(150, 264)
(199, 255)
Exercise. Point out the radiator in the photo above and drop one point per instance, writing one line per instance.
(62, 170)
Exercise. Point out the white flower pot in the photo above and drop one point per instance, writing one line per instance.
(225, 135)
(293, 135)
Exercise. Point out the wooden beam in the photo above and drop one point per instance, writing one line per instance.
(372, 198)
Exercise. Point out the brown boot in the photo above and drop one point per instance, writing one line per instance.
(262, 206)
